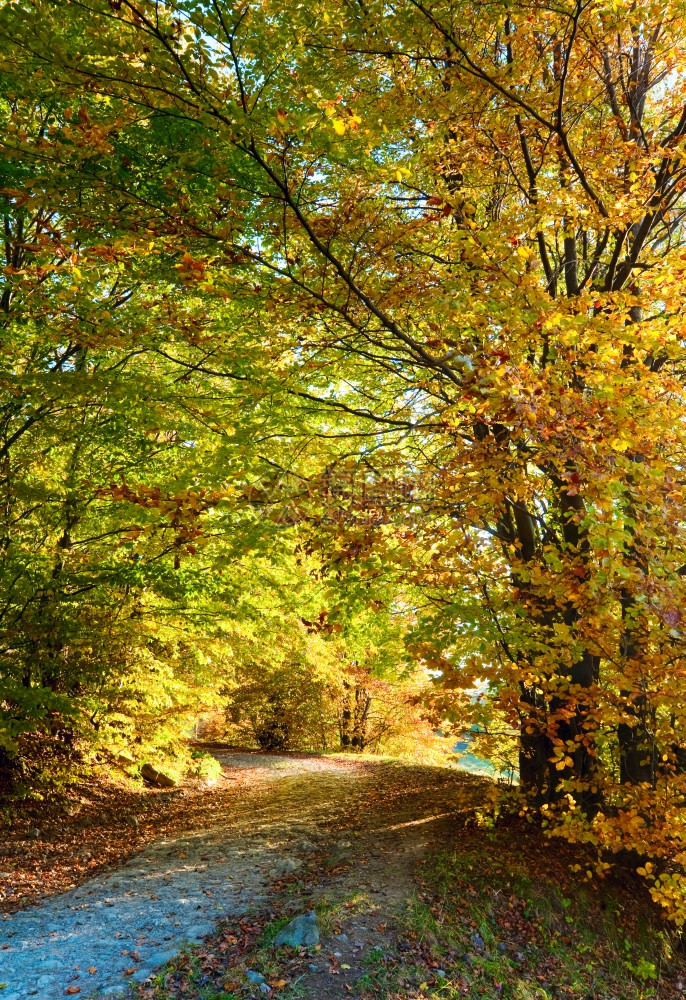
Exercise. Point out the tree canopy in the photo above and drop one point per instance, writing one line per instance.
(344, 341)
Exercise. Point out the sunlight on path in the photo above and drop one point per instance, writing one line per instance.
(125, 923)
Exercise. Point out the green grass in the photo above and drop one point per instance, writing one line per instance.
(516, 928)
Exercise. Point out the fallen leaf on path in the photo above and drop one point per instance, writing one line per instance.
(92, 969)
(129, 972)
(73, 990)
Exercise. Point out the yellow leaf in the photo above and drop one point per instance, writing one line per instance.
(339, 126)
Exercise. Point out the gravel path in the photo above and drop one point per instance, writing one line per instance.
(120, 926)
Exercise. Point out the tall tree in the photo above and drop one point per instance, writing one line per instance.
(463, 226)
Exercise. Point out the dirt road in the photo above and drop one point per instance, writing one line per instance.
(369, 822)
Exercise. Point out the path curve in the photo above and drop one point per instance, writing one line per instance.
(138, 915)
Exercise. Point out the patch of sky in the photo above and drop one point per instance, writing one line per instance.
(467, 760)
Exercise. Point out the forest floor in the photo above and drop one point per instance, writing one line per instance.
(179, 895)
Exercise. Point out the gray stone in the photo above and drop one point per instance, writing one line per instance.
(265, 988)
(131, 821)
(285, 866)
(303, 932)
(33, 834)
(255, 977)
(307, 847)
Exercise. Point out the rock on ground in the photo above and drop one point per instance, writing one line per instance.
(172, 893)
(303, 932)
(137, 916)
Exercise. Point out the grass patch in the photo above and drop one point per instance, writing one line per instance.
(491, 921)
(330, 915)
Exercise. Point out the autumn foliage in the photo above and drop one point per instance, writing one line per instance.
(376, 310)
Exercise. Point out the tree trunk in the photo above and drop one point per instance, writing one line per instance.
(345, 719)
(637, 749)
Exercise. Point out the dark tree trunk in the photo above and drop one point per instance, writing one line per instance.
(535, 750)
(273, 732)
(352, 723)
(637, 753)
(637, 749)
(345, 719)
(10, 769)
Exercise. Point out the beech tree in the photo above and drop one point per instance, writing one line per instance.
(453, 234)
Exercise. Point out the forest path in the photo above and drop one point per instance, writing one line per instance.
(117, 928)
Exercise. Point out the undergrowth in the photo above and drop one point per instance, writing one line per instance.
(489, 921)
